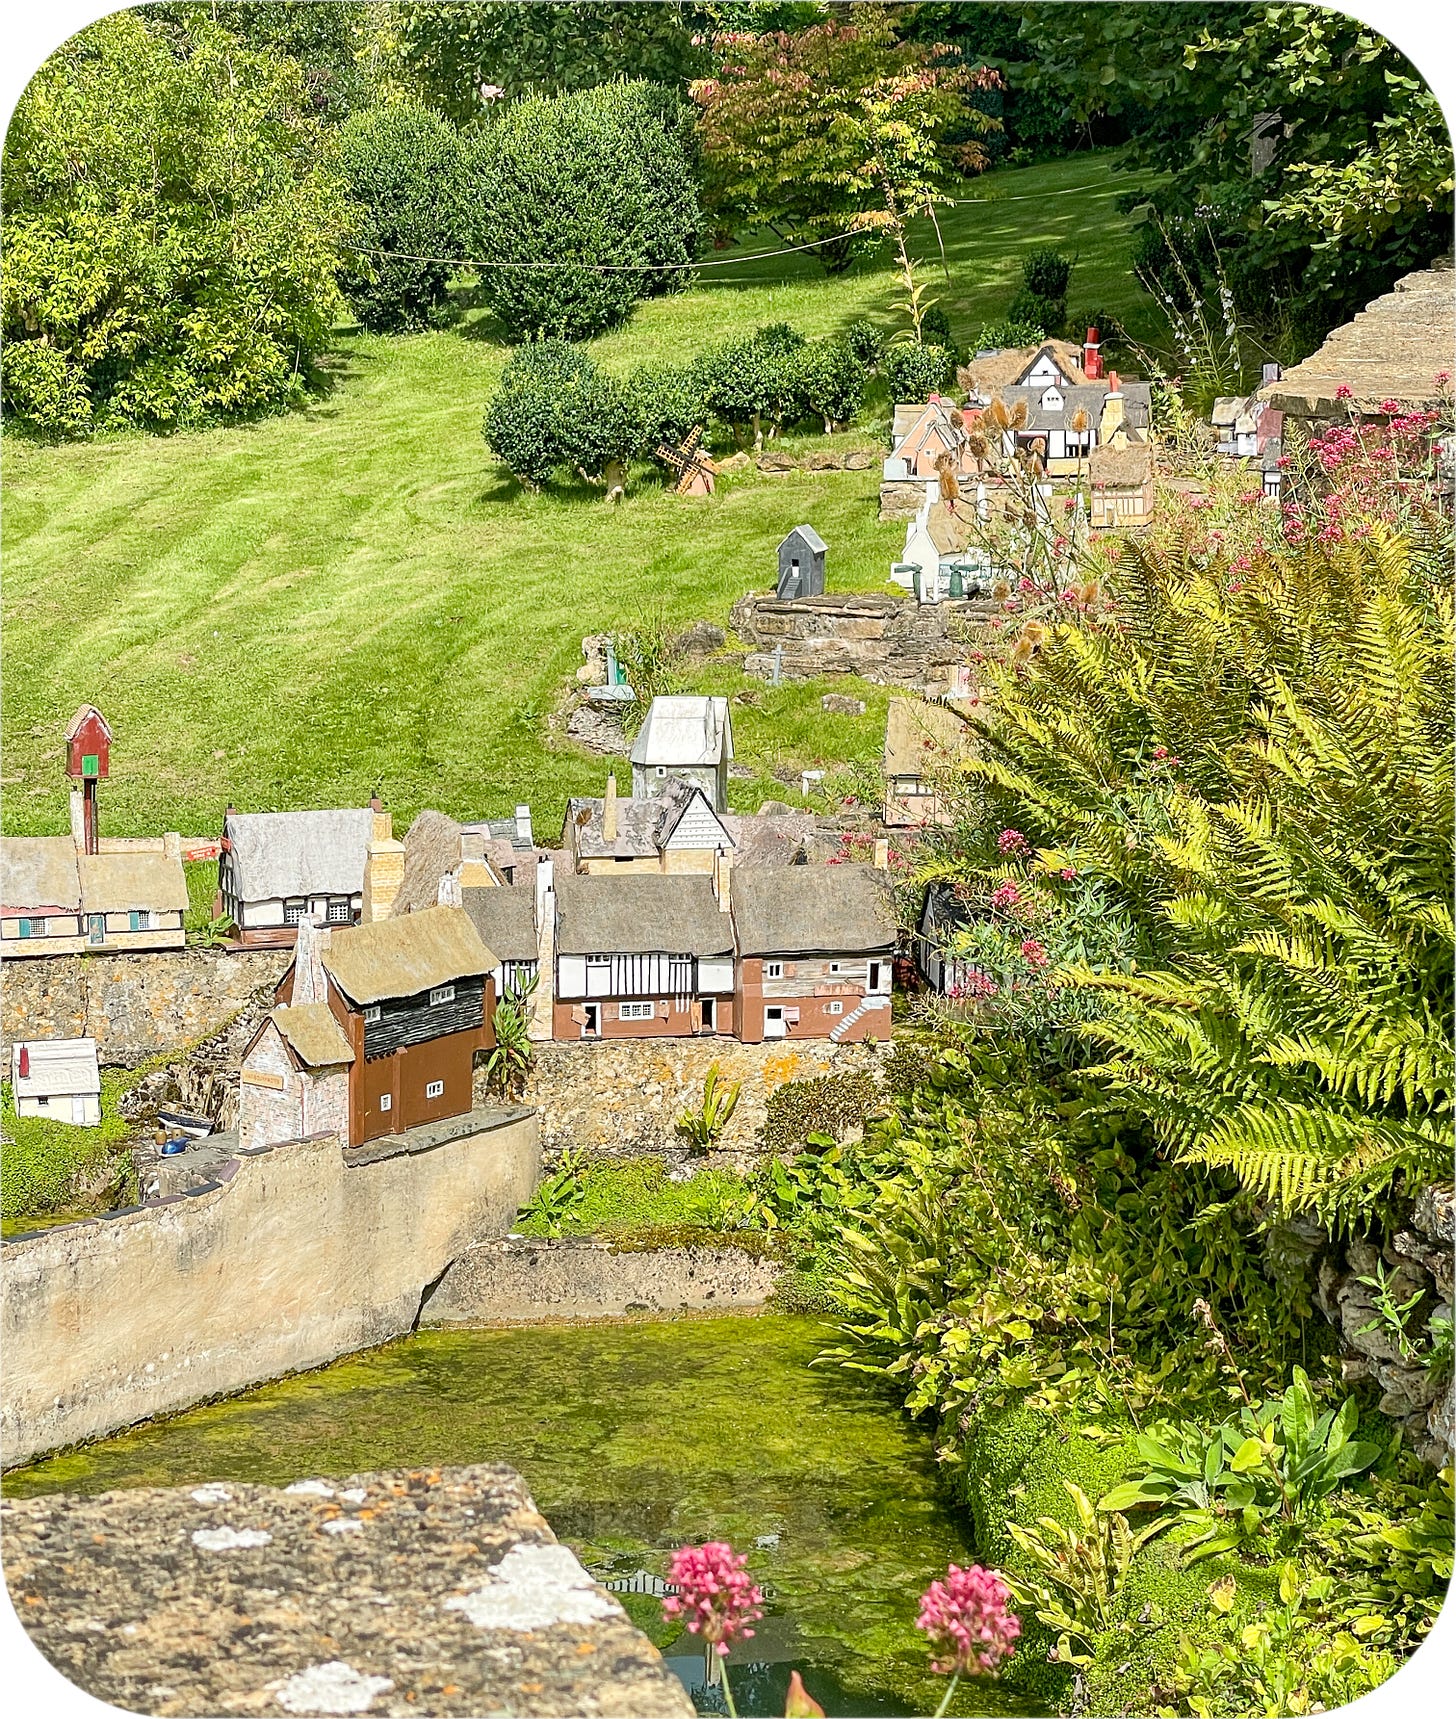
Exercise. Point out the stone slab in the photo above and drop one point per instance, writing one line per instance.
(414, 1592)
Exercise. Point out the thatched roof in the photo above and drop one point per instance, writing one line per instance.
(403, 957)
(276, 855)
(39, 871)
(1390, 351)
(505, 917)
(1120, 468)
(640, 915)
(431, 851)
(990, 372)
(312, 1034)
(813, 910)
(114, 883)
(920, 735)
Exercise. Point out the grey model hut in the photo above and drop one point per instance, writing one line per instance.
(801, 563)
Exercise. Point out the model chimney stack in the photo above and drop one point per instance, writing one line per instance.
(609, 809)
(1092, 356)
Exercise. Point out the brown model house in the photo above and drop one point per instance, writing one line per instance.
(414, 999)
(1121, 485)
(814, 953)
(641, 957)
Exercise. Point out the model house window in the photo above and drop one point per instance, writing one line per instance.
(635, 1011)
(662, 769)
(371, 1013)
(32, 927)
(339, 913)
(909, 785)
(834, 1008)
(875, 967)
(836, 966)
(442, 994)
(139, 919)
(435, 1089)
(293, 911)
(43, 1103)
(773, 969)
(386, 1101)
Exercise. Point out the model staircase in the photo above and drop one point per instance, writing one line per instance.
(867, 1007)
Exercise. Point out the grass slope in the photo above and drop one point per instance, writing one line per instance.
(356, 596)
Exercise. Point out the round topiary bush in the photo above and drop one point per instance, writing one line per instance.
(595, 177)
(915, 371)
(403, 169)
(524, 422)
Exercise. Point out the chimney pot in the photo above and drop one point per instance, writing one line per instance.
(375, 803)
(609, 809)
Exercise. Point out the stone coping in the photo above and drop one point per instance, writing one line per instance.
(424, 1591)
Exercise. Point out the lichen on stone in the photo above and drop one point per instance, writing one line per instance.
(531, 1588)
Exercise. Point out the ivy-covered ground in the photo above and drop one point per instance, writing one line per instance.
(53, 1168)
(357, 596)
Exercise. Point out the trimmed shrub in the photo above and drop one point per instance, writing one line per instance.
(669, 401)
(831, 1104)
(403, 168)
(523, 423)
(866, 343)
(935, 329)
(831, 382)
(994, 336)
(1043, 296)
(915, 371)
(754, 380)
(599, 176)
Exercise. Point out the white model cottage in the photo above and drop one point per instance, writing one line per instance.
(57, 1079)
(690, 739)
(275, 867)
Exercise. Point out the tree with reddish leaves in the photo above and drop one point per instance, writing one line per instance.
(840, 133)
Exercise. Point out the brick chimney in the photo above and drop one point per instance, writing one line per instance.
(383, 867)
(723, 881)
(609, 809)
(523, 827)
(1112, 431)
(1092, 356)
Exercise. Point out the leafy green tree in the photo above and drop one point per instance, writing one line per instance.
(839, 133)
(754, 380)
(1042, 300)
(404, 170)
(169, 232)
(597, 178)
(329, 43)
(914, 371)
(670, 400)
(831, 382)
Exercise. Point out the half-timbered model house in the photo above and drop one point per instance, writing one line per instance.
(685, 738)
(641, 957)
(506, 920)
(1121, 483)
(276, 867)
(414, 999)
(815, 948)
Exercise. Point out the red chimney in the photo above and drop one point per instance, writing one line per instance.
(1092, 356)
(25, 1062)
(1114, 382)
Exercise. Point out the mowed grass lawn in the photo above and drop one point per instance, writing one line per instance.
(356, 596)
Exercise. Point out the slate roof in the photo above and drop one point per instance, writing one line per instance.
(112, 883)
(402, 957)
(811, 539)
(944, 912)
(1088, 396)
(58, 1067)
(909, 724)
(640, 915)
(280, 854)
(39, 871)
(505, 917)
(643, 825)
(313, 1034)
(684, 731)
(811, 910)
(1390, 351)
(766, 839)
(1120, 468)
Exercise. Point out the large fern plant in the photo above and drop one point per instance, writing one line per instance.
(1262, 765)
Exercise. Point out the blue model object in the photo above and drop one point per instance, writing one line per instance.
(178, 1143)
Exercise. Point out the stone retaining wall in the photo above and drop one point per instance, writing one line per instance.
(290, 1258)
(623, 1098)
(134, 1006)
(526, 1280)
(874, 634)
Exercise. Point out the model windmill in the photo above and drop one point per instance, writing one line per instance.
(693, 467)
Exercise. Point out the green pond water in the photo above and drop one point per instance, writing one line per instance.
(634, 1438)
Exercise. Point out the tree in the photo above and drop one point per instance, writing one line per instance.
(169, 232)
(403, 168)
(1042, 301)
(597, 178)
(832, 382)
(914, 371)
(839, 133)
(753, 379)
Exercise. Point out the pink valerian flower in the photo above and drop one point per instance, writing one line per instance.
(1067, 873)
(1344, 392)
(968, 1622)
(975, 984)
(1006, 895)
(1034, 952)
(1391, 408)
(1012, 842)
(716, 1597)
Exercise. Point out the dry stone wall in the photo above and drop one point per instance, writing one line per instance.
(874, 634)
(619, 1099)
(134, 1006)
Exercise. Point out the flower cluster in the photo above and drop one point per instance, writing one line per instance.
(968, 1622)
(716, 1597)
(1012, 842)
(1034, 952)
(1005, 896)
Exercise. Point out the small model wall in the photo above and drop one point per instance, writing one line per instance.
(133, 1005)
(879, 636)
(294, 1257)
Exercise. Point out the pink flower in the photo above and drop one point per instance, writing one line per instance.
(1012, 842)
(1391, 408)
(1006, 895)
(1344, 392)
(716, 1597)
(1067, 873)
(968, 1622)
(1034, 952)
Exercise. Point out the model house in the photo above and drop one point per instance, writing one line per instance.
(674, 831)
(414, 999)
(56, 899)
(276, 867)
(688, 739)
(505, 919)
(941, 561)
(1064, 422)
(943, 918)
(1250, 429)
(295, 1077)
(924, 742)
(815, 948)
(1059, 361)
(641, 957)
(801, 563)
(57, 1079)
(1121, 484)
(923, 436)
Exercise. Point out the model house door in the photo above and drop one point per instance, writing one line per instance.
(591, 1026)
(78, 1108)
(710, 1014)
(96, 927)
(875, 970)
(774, 1024)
